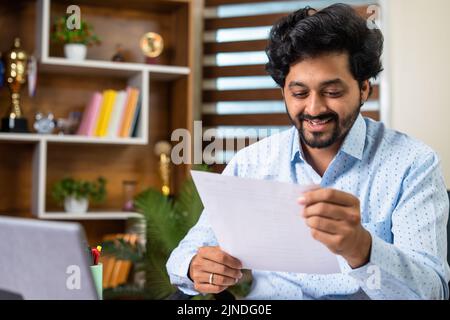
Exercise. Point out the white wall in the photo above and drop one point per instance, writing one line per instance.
(418, 49)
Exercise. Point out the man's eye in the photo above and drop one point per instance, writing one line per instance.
(300, 94)
(333, 94)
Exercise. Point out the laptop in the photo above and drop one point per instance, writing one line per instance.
(44, 260)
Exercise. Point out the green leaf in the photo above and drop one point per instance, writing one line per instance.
(83, 35)
(123, 250)
(159, 213)
(79, 189)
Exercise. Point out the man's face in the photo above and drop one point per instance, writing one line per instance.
(323, 99)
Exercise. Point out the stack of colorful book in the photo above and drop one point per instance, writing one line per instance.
(115, 271)
(111, 114)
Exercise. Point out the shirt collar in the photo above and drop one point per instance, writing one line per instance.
(353, 144)
(296, 148)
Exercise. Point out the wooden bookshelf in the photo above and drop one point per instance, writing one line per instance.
(31, 163)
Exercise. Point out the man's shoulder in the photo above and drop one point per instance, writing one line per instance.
(269, 146)
(395, 144)
(263, 157)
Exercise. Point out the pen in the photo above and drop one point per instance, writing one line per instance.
(96, 254)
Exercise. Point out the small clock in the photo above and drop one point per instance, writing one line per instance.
(152, 44)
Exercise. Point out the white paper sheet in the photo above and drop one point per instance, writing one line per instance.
(259, 222)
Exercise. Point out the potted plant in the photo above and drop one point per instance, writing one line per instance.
(75, 41)
(75, 194)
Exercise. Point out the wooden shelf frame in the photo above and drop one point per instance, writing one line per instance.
(136, 74)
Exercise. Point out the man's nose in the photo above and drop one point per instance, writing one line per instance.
(315, 104)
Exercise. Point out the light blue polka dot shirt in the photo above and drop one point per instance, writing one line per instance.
(404, 205)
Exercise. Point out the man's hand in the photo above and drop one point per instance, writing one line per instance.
(335, 220)
(225, 270)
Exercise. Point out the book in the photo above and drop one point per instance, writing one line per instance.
(90, 114)
(122, 268)
(126, 265)
(115, 271)
(109, 97)
(117, 114)
(114, 282)
(108, 266)
(129, 112)
(135, 122)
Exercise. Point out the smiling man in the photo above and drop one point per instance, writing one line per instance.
(382, 206)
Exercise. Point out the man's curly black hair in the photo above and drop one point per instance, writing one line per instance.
(308, 33)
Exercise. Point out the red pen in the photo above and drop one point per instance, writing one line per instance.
(96, 254)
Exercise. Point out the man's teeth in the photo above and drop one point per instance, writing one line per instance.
(318, 122)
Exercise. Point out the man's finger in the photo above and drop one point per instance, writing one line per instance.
(328, 195)
(217, 279)
(324, 224)
(326, 210)
(217, 255)
(220, 269)
(330, 240)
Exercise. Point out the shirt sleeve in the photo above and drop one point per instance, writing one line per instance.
(414, 266)
(198, 236)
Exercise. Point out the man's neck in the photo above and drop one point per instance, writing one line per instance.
(320, 158)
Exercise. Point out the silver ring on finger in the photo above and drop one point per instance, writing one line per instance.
(211, 277)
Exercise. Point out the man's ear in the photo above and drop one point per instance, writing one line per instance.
(365, 91)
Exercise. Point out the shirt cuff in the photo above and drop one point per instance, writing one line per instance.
(181, 278)
(373, 267)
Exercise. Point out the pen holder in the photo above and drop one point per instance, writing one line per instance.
(97, 275)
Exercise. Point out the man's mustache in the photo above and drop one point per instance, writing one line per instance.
(319, 117)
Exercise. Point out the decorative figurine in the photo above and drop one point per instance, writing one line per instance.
(129, 190)
(44, 125)
(119, 55)
(69, 125)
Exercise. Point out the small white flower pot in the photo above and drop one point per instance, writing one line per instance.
(75, 51)
(73, 205)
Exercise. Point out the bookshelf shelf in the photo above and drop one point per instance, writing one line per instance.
(33, 137)
(19, 137)
(104, 215)
(107, 68)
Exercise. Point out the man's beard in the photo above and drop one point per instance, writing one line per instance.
(325, 139)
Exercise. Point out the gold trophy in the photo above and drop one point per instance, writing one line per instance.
(16, 63)
(162, 150)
